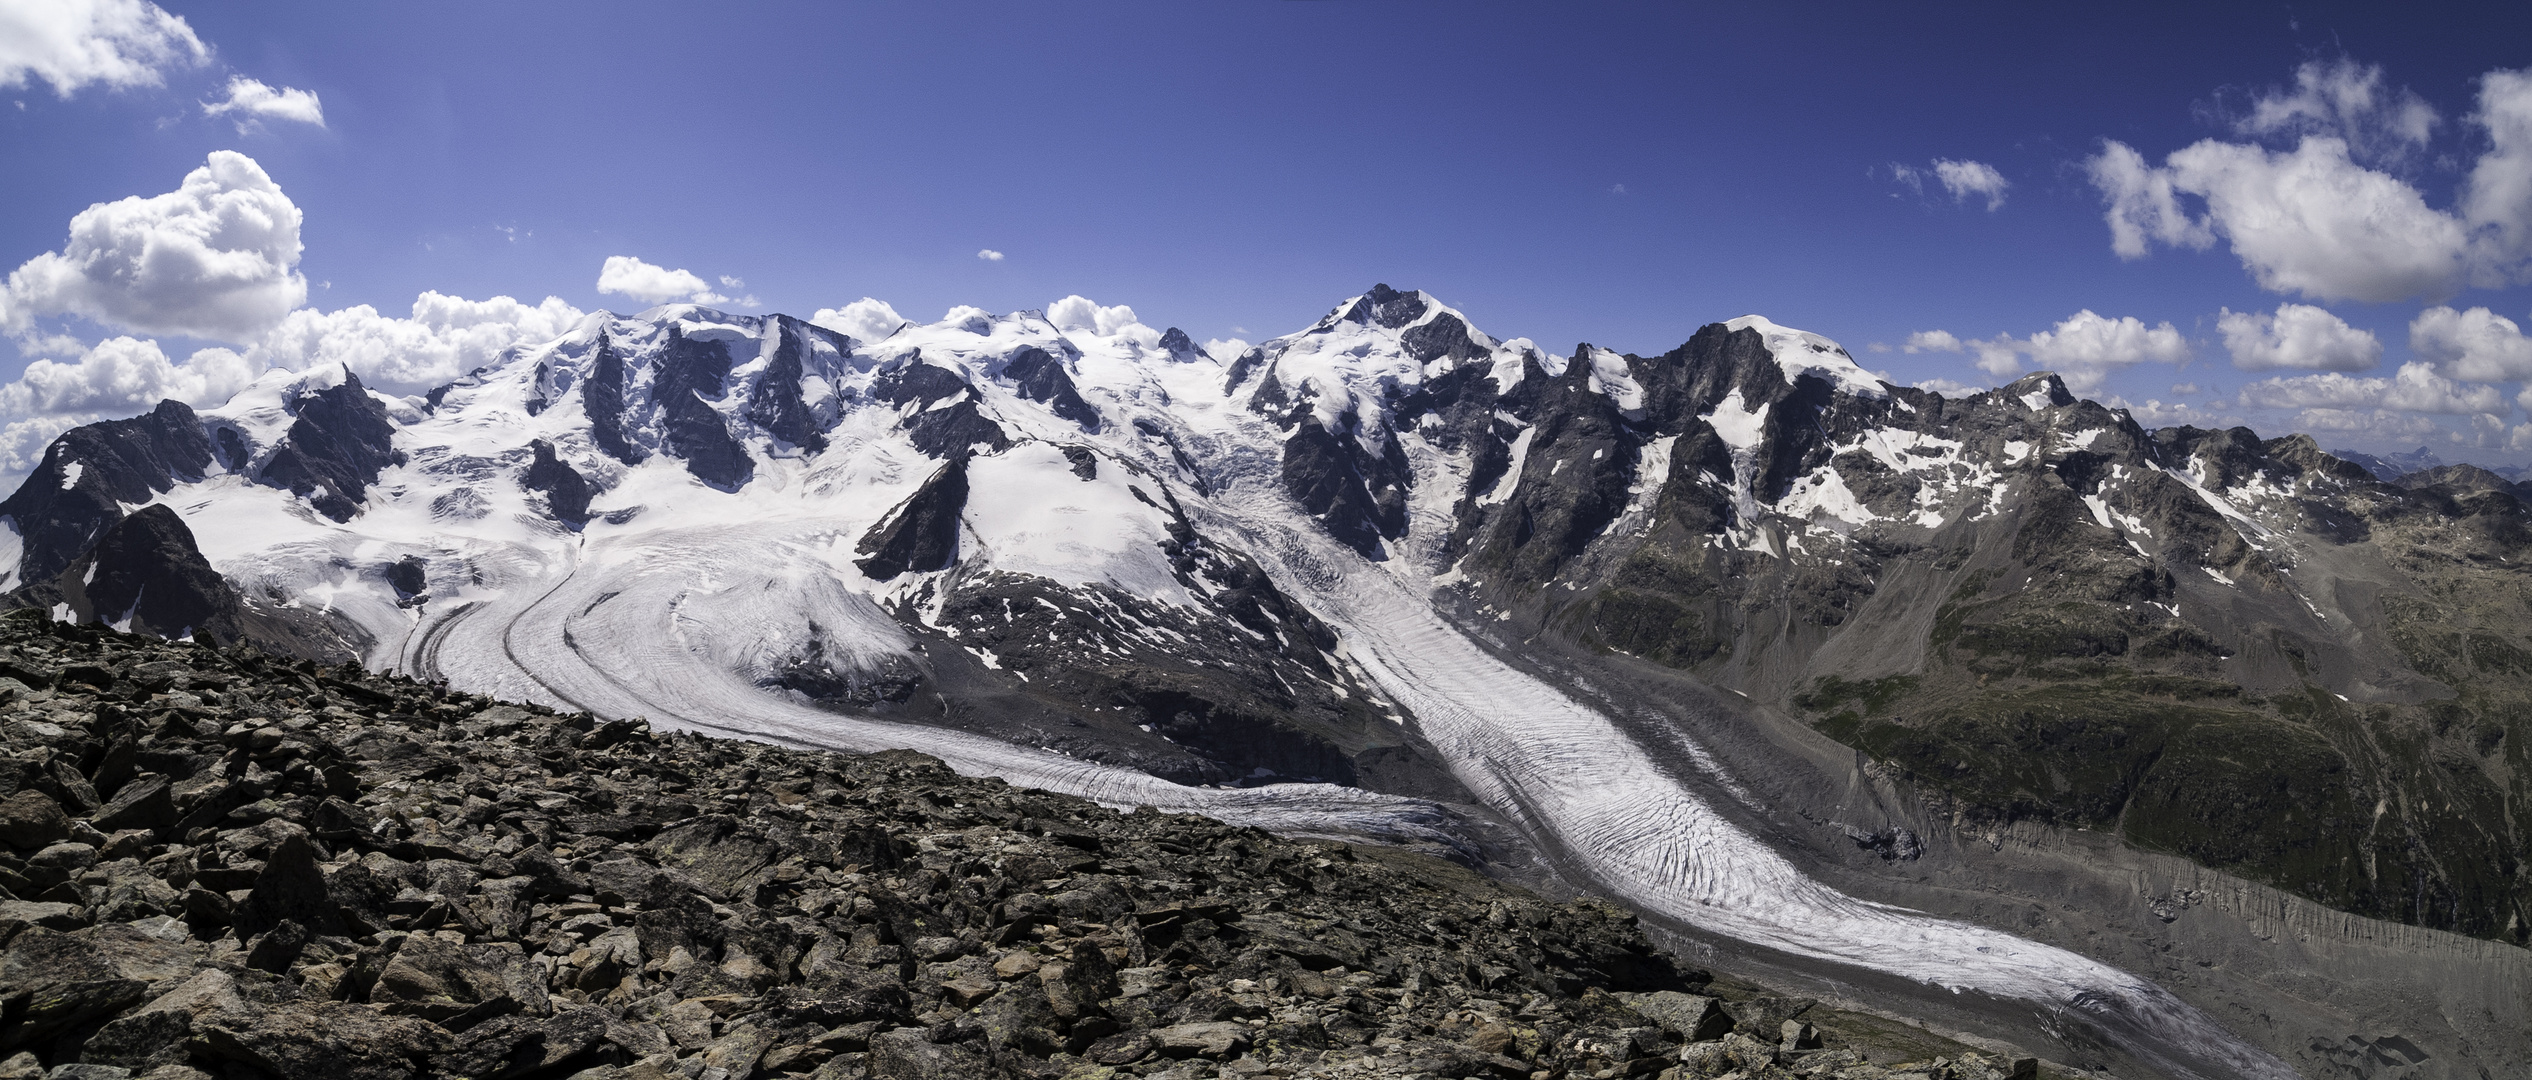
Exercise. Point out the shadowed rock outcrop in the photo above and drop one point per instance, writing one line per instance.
(334, 449)
(566, 491)
(146, 574)
(692, 375)
(91, 472)
(921, 534)
(1040, 377)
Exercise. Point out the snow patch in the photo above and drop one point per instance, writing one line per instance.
(1611, 376)
(1511, 479)
(1800, 352)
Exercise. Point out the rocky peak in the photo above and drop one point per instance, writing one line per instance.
(1180, 347)
(89, 474)
(146, 575)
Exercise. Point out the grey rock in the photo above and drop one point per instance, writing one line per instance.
(910, 1054)
(31, 819)
(289, 887)
(1689, 1017)
(324, 1041)
(1217, 1040)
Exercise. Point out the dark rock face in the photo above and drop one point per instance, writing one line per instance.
(334, 450)
(918, 383)
(1180, 347)
(1041, 377)
(921, 534)
(147, 570)
(691, 375)
(775, 404)
(566, 491)
(1361, 498)
(1581, 458)
(942, 431)
(77, 491)
(673, 905)
(602, 398)
(1385, 307)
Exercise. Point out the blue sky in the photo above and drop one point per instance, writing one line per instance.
(1619, 174)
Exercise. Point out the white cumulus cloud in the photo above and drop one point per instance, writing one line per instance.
(2155, 413)
(251, 100)
(1225, 349)
(989, 255)
(2381, 427)
(624, 275)
(123, 376)
(968, 317)
(2497, 199)
(1082, 313)
(2473, 344)
(446, 336)
(2084, 348)
(1118, 321)
(2348, 100)
(862, 320)
(2297, 336)
(2416, 388)
(1950, 388)
(1960, 180)
(2144, 206)
(2313, 220)
(1966, 178)
(213, 259)
(72, 43)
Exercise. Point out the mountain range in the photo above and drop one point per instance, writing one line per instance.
(2002, 694)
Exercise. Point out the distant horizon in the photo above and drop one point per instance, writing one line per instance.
(2314, 220)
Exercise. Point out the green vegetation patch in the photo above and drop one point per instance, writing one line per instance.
(2073, 753)
(2270, 799)
(1875, 695)
(1652, 626)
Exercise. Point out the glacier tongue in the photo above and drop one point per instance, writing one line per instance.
(590, 639)
(1565, 771)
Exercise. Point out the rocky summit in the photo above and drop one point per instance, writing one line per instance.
(219, 863)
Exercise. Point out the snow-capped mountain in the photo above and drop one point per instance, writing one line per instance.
(1390, 565)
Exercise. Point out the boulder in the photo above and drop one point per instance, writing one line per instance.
(326, 1040)
(55, 982)
(289, 887)
(144, 802)
(31, 819)
(910, 1054)
(1217, 1040)
(453, 984)
(1688, 1017)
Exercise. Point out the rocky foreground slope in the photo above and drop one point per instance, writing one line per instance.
(225, 864)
